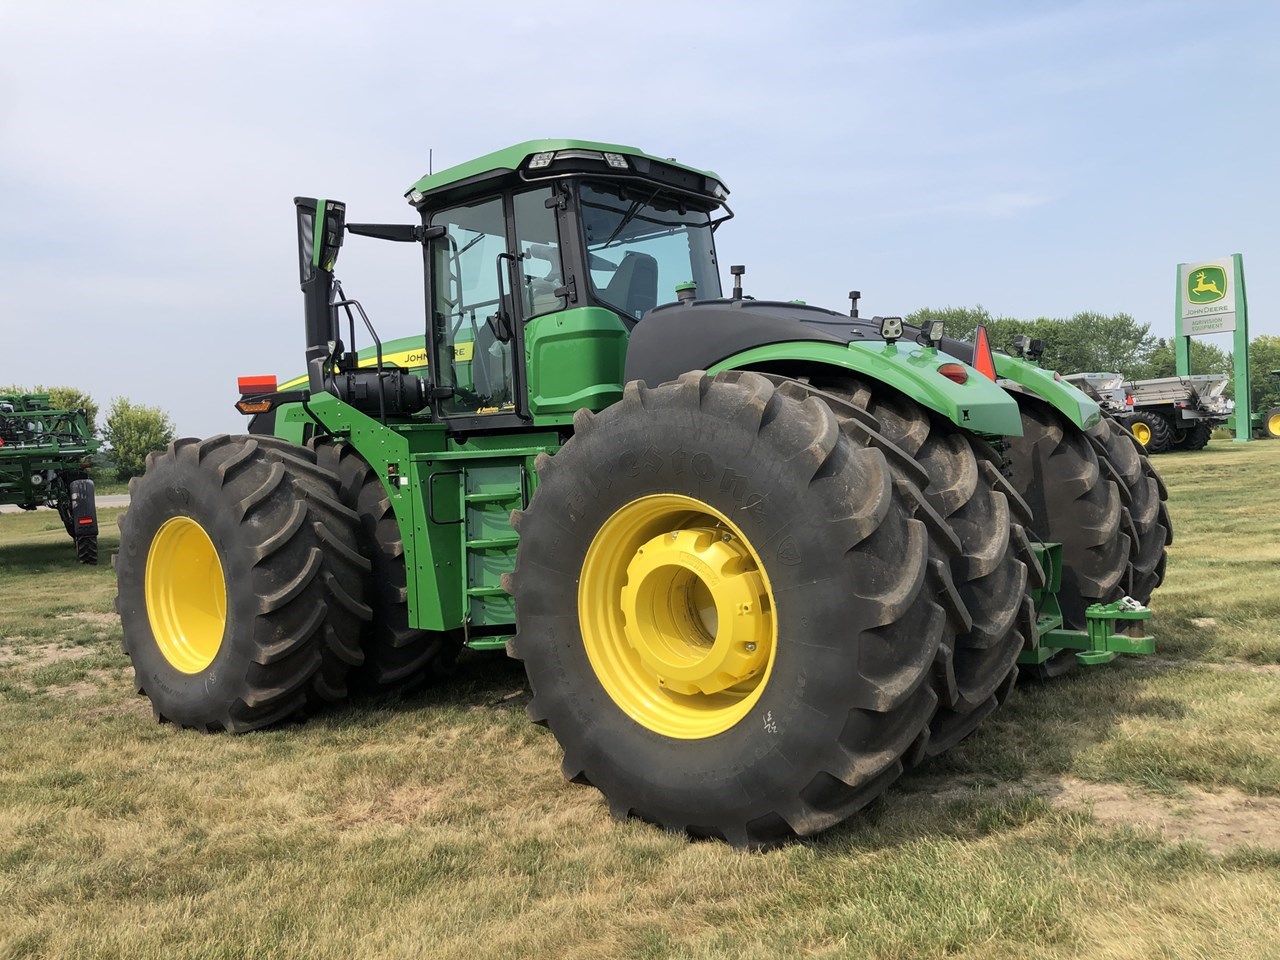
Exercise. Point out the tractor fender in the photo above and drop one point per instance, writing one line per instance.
(1019, 376)
(978, 404)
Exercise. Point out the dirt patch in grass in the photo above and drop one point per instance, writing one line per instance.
(1230, 666)
(1224, 820)
(106, 620)
(42, 655)
(92, 685)
(400, 805)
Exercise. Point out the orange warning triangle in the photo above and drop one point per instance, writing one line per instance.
(983, 361)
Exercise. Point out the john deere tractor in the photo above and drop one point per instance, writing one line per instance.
(756, 557)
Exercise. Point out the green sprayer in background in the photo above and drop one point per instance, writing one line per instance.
(757, 557)
(44, 461)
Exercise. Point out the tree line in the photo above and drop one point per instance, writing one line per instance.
(1113, 343)
(130, 430)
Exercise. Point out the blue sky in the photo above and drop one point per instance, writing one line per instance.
(1037, 158)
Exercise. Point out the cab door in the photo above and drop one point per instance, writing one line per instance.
(497, 267)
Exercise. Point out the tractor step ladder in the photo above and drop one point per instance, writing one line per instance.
(490, 490)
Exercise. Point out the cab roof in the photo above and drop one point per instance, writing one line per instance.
(510, 159)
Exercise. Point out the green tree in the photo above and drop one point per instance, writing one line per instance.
(134, 430)
(63, 398)
(1264, 357)
(1162, 362)
(1085, 342)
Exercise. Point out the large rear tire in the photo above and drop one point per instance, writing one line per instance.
(1076, 502)
(397, 657)
(977, 511)
(240, 587)
(793, 704)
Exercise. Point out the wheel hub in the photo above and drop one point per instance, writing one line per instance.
(677, 616)
(186, 594)
(1142, 433)
(695, 610)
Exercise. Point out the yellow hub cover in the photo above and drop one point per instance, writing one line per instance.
(1273, 425)
(677, 616)
(1142, 433)
(186, 594)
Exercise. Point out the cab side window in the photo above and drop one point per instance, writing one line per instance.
(538, 244)
(466, 303)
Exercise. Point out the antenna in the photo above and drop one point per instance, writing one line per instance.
(430, 161)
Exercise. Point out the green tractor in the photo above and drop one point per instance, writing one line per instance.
(44, 462)
(756, 557)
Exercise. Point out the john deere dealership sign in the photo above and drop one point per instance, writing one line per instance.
(1211, 300)
(1207, 297)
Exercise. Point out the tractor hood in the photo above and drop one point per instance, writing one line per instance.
(697, 334)
(797, 339)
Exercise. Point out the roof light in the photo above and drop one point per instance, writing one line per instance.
(616, 160)
(955, 372)
(416, 197)
(579, 155)
(540, 160)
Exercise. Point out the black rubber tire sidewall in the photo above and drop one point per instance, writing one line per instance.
(172, 487)
(785, 731)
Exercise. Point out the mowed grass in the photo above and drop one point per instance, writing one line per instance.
(439, 826)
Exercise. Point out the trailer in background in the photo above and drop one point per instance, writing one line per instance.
(1168, 413)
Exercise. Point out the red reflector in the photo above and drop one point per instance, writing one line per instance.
(257, 384)
(85, 521)
(983, 361)
(954, 371)
(1129, 401)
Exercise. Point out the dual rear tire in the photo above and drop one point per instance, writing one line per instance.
(737, 611)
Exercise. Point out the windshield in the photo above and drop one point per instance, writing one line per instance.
(642, 243)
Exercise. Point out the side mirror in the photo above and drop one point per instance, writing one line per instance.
(320, 229)
(331, 217)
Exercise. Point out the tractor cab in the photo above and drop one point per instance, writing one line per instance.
(538, 262)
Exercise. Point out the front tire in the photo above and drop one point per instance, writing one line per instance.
(1145, 515)
(1076, 502)
(722, 610)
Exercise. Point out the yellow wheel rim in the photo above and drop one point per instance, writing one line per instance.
(1273, 424)
(186, 594)
(677, 616)
(1142, 433)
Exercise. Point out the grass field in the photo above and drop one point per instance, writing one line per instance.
(1126, 811)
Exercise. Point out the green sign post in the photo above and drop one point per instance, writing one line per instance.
(1211, 300)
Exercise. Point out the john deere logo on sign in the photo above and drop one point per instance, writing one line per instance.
(1206, 285)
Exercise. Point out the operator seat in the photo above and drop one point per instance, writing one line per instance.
(489, 366)
(633, 288)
